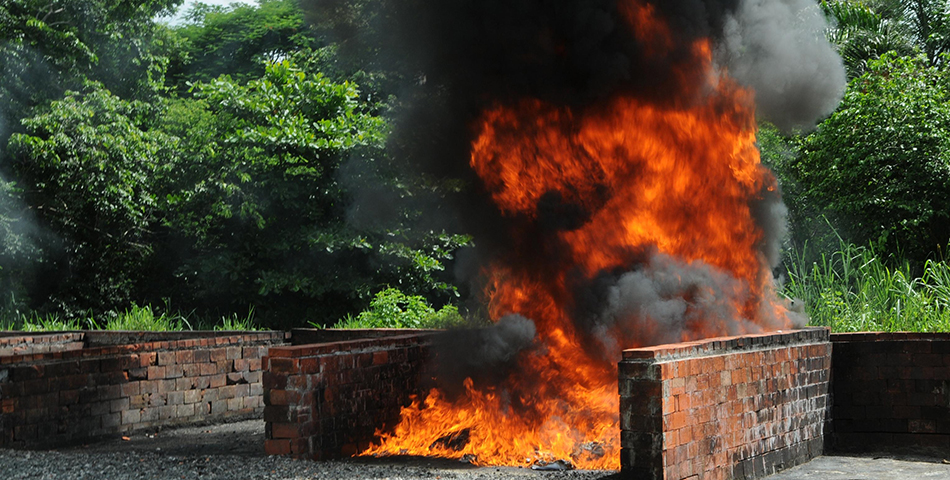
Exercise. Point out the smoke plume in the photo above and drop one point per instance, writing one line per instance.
(461, 57)
(778, 48)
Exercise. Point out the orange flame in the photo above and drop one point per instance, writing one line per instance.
(674, 178)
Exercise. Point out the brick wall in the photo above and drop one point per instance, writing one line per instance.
(307, 336)
(62, 397)
(738, 407)
(327, 400)
(891, 391)
(40, 343)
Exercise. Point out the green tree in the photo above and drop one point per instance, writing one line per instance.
(49, 46)
(237, 40)
(85, 167)
(863, 31)
(879, 167)
(257, 211)
(866, 29)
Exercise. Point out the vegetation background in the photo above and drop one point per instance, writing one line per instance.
(207, 170)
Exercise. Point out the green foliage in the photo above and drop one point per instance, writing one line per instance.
(144, 319)
(391, 308)
(854, 289)
(879, 167)
(261, 203)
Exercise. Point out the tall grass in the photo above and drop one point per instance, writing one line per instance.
(234, 322)
(144, 318)
(854, 289)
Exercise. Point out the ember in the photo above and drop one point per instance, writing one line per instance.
(639, 217)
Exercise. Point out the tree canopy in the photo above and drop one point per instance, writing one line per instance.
(209, 165)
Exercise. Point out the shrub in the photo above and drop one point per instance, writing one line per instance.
(391, 308)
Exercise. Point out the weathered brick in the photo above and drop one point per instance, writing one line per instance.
(284, 365)
(119, 405)
(111, 421)
(218, 380)
(156, 373)
(241, 365)
(219, 407)
(191, 396)
(219, 354)
(131, 417)
(184, 357)
(202, 356)
(173, 371)
(234, 378)
(176, 398)
(235, 404)
(191, 369)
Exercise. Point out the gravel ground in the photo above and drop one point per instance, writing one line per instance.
(235, 451)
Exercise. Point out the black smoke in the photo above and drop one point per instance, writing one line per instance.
(486, 355)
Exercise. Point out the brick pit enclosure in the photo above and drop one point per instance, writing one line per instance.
(737, 407)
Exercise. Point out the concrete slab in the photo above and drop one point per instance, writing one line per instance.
(867, 468)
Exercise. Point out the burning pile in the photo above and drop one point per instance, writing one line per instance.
(628, 205)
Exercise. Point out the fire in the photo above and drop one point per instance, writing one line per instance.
(644, 180)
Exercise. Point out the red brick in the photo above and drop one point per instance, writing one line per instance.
(224, 367)
(281, 397)
(277, 447)
(309, 365)
(146, 359)
(284, 430)
(254, 364)
(380, 358)
(285, 365)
